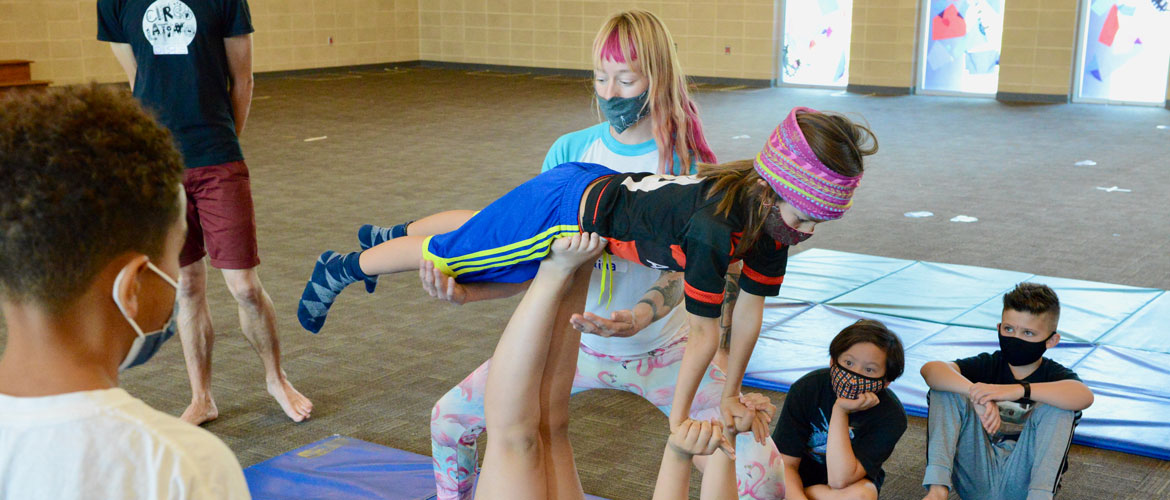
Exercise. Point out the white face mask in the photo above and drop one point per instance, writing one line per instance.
(146, 344)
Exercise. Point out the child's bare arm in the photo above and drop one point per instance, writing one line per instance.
(745, 330)
(840, 462)
(701, 345)
(793, 486)
(1070, 394)
(945, 376)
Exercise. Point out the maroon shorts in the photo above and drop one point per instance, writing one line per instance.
(220, 220)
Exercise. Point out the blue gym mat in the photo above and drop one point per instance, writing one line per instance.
(344, 468)
(1113, 336)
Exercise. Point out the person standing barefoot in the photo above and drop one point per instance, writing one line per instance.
(190, 62)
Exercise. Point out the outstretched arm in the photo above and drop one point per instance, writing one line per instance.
(443, 287)
(745, 330)
(656, 303)
(701, 345)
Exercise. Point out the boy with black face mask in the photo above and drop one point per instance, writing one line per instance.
(1001, 423)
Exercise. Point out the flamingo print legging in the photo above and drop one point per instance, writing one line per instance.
(457, 419)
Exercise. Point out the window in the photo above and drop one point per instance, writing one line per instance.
(1124, 51)
(816, 42)
(961, 50)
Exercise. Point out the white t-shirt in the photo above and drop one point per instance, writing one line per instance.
(106, 444)
(630, 280)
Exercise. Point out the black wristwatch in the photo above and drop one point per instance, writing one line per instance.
(1027, 389)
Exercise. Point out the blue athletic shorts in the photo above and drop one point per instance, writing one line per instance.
(505, 242)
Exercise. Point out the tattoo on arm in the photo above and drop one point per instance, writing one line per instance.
(653, 309)
(730, 294)
(671, 292)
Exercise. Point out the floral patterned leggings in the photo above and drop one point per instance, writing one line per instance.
(457, 419)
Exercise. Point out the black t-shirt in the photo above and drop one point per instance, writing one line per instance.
(992, 368)
(803, 429)
(667, 222)
(183, 74)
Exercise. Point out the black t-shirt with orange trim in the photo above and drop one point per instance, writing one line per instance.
(667, 222)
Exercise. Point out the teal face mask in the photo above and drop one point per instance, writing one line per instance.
(624, 112)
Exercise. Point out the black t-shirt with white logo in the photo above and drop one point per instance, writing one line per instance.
(667, 222)
(183, 74)
(803, 429)
(992, 368)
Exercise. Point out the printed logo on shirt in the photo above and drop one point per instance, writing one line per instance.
(655, 266)
(615, 265)
(169, 26)
(818, 441)
(652, 182)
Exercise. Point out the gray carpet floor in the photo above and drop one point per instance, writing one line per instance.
(404, 143)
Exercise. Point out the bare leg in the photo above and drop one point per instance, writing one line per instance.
(439, 223)
(393, 256)
(405, 253)
(258, 321)
(196, 333)
(559, 372)
(513, 463)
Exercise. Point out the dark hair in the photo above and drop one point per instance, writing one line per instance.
(738, 181)
(836, 140)
(86, 175)
(876, 333)
(1032, 298)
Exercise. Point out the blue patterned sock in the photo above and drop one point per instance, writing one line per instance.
(370, 236)
(332, 273)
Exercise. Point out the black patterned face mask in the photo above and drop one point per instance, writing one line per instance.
(849, 384)
(780, 231)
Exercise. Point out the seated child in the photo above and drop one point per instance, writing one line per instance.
(91, 224)
(839, 424)
(1001, 423)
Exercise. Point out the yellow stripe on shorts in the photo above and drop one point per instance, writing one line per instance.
(532, 248)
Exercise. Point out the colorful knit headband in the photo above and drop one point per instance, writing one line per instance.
(788, 164)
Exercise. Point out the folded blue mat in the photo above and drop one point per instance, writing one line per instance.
(344, 468)
(1113, 336)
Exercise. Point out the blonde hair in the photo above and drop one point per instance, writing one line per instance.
(638, 38)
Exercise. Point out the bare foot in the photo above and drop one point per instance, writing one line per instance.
(571, 252)
(200, 411)
(937, 492)
(294, 404)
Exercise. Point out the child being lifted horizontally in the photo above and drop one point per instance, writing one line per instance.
(744, 210)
